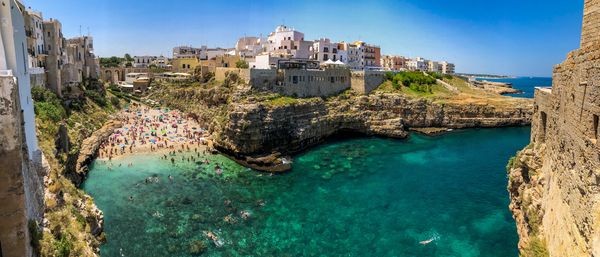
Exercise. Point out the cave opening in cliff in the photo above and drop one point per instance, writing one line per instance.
(344, 134)
(543, 124)
(595, 126)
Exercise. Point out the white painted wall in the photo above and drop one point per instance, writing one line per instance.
(12, 34)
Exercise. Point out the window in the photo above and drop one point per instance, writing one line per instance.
(326, 49)
(595, 126)
(544, 118)
(332, 79)
(325, 57)
(295, 79)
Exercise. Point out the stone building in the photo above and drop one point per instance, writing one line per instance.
(53, 39)
(36, 49)
(447, 68)
(554, 183)
(393, 62)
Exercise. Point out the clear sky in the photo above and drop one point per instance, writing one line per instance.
(511, 37)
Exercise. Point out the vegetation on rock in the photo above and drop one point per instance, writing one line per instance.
(67, 231)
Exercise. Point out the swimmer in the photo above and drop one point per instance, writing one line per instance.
(426, 242)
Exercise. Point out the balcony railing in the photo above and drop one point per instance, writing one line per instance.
(36, 70)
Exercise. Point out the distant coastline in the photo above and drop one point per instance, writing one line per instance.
(486, 76)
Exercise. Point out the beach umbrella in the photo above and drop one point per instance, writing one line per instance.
(153, 141)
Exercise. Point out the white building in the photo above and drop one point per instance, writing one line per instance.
(13, 58)
(250, 47)
(212, 53)
(189, 52)
(447, 68)
(286, 40)
(324, 50)
(433, 66)
(161, 62)
(417, 64)
(143, 61)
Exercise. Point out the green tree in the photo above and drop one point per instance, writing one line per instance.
(128, 58)
(241, 64)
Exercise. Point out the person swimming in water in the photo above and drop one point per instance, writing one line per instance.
(425, 242)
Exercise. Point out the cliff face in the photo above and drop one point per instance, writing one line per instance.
(554, 184)
(255, 128)
(21, 188)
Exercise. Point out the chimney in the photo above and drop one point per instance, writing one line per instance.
(590, 33)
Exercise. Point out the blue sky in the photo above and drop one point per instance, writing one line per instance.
(512, 37)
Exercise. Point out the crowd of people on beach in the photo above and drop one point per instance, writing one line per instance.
(147, 129)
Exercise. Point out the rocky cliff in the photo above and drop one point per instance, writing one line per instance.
(261, 131)
(554, 184)
(256, 129)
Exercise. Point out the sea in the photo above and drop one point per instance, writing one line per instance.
(368, 196)
(525, 84)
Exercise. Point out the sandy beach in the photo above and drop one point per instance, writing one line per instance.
(153, 130)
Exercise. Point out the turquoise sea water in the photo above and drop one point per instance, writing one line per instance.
(354, 197)
(525, 84)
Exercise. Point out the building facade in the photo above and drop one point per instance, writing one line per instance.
(143, 61)
(394, 63)
(447, 68)
(417, 64)
(323, 50)
(53, 39)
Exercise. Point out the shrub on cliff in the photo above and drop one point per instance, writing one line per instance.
(47, 106)
(241, 64)
(415, 80)
(96, 97)
(536, 248)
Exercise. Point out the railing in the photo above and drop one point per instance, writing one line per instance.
(36, 70)
(6, 73)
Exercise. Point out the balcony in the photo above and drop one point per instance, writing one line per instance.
(36, 70)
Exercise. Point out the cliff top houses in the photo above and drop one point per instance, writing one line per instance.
(262, 55)
(55, 62)
(285, 43)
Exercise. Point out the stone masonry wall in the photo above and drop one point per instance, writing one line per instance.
(364, 82)
(14, 235)
(555, 190)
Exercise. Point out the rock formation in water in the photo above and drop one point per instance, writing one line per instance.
(554, 183)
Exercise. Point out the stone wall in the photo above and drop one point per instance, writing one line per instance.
(221, 73)
(20, 191)
(312, 83)
(590, 33)
(263, 79)
(364, 82)
(555, 184)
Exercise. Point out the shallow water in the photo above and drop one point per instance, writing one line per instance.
(356, 197)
